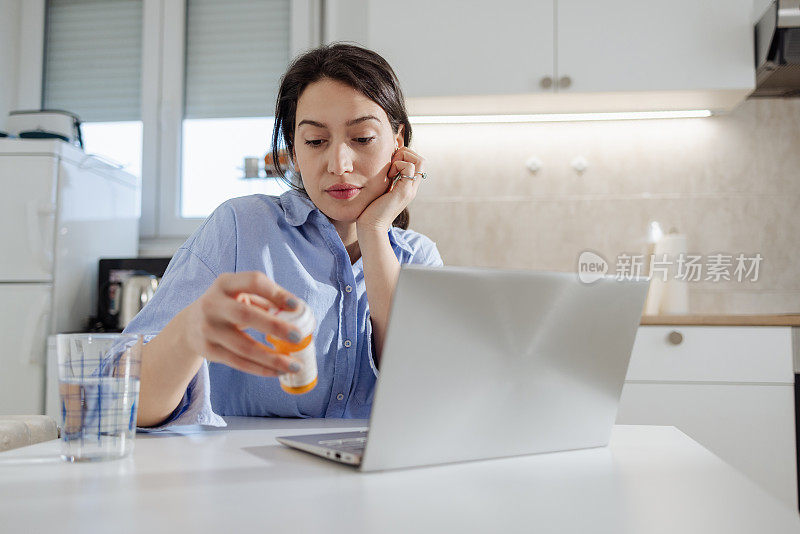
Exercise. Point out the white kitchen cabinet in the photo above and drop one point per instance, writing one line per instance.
(729, 388)
(61, 210)
(452, 47)
(621, 55)
(652, 45)
(26, 218)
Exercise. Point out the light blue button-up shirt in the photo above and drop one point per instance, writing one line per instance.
(291, 241)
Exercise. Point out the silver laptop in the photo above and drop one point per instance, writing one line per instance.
(482, 363)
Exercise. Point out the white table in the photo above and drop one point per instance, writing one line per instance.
(239, 479)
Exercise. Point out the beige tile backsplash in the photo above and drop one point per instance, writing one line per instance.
(731, 183)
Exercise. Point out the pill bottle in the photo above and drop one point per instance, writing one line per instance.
(304, 351)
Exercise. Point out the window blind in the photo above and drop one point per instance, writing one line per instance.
(93, 59)
(236, 52)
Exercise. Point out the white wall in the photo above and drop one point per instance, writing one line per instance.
(10, 13)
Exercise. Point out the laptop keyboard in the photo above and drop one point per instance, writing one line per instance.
(345, 444)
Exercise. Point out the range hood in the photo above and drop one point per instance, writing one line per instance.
(777, 41)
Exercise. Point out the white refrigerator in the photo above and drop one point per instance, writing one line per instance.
(60, 211)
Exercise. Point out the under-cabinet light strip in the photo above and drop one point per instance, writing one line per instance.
(560, 117)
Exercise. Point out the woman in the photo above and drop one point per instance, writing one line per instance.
(335, 241)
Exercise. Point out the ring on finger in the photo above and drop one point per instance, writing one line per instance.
(413, 177)
(400, 175)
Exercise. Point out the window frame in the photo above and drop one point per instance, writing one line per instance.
(30, 91)
(163, 68)
(305, 33)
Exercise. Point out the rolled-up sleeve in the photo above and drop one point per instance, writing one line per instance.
(192, 270)
(187, 277)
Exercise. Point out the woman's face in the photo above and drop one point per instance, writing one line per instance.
(343, 146)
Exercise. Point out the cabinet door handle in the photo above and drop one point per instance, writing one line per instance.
(564, 82)
(36, 330)
(41, 221)
(546, 82)
(675, 337)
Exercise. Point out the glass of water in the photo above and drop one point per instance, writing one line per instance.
(98, 382)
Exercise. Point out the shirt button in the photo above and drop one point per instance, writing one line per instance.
(347, 343)
(348, 289)
(339, 396)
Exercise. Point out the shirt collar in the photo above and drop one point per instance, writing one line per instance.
(297, 207)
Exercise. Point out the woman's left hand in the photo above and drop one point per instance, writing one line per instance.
(382, 211)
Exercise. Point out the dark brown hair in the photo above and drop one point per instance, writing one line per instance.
(358, 67)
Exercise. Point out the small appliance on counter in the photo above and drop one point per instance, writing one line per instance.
(137, 290)
(46, 124)
(125, 285)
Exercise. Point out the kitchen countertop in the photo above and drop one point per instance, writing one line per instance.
(786, 319)
(239, 479)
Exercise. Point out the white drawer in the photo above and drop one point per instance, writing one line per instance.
(24, 321)
(739, 354)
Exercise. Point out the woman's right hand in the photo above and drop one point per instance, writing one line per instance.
(213, 324)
